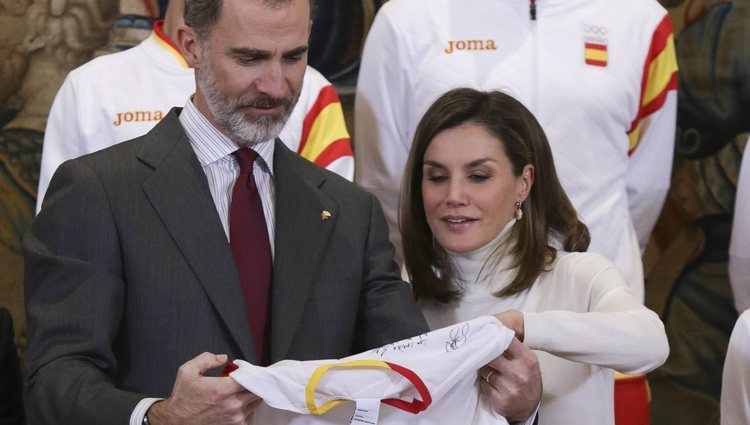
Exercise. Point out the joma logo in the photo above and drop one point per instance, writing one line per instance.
(137, 116)
(461, 45)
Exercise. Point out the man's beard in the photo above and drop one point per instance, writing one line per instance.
(229, 115)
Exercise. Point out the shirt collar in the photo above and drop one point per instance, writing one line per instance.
(211, 145)
(475, 266)
(166, 43)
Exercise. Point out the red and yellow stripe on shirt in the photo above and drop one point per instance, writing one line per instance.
(324, 134)
(164, 41)
(414, 406)
(595, 54)
(659, 77)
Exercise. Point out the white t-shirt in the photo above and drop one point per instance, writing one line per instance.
(427, 379)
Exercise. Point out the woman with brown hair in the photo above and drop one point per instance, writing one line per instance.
(488, 229)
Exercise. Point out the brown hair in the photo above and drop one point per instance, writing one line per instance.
(202, 15)
(549, 216)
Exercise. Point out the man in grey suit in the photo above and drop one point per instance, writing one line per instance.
(131, 283)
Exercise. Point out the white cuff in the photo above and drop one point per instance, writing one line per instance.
(530, 420)
(136, 418)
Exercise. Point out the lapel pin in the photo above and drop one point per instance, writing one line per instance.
(325, 215)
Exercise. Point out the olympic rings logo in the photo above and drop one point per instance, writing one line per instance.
(593, 29)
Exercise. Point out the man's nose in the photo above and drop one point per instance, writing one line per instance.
(272, 82)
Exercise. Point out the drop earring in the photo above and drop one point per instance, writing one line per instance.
(519, 211)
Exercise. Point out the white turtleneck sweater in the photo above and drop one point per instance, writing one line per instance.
(580, 318)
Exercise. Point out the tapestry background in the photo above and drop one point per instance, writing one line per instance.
(686, 260)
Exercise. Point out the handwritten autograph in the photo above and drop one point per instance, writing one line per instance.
(457, 338)
(402, 346)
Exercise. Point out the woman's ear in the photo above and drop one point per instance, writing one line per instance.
(525, 182)
(189, 45)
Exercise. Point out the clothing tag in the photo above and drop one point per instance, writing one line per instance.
(366, 412)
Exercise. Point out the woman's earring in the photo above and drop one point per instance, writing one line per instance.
(519, 211)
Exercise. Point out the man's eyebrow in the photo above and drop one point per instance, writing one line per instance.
(248, 52)
(263, 54)
(299, 51)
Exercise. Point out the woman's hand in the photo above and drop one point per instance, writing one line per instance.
(512, 382)
(513, 320)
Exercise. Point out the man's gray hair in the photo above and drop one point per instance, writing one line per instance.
(202, 15)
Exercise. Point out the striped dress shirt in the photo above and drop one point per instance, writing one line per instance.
(214, 151)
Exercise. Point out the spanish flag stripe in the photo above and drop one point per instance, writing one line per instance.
(658, 101)
(662, 35)
(169, 45)
(596, 55)
(660, 73)
(415, 406)
(326, 97)
(327, 127)
(596, 46)
(659, 76)
(633, 138)
(596, 62)
(337, 149)
(653, 106)
(320, 371)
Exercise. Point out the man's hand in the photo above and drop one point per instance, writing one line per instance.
(198, 399)
(512, 383)
(513, 320)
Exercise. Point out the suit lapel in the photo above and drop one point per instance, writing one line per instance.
(305, 218)
(179, 193)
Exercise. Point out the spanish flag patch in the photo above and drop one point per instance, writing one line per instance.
(595, 54)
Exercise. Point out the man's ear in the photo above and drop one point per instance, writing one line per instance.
(189, 44)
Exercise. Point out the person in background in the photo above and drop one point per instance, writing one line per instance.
(735, 381)
(155, 261)
(600, 76)
(11, 384)
(739, 244)
(487, 228)
(120, 96)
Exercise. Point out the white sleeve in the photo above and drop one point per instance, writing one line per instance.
(650, 168)
(652, 133)
(739, 245)
(735, 383)
(382, 105)
(62, 137)
(136, 418)
(531, 420)
(616, 331)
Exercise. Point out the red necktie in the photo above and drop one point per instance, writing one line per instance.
(248, 237)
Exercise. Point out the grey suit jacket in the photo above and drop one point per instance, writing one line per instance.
(129, 274)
